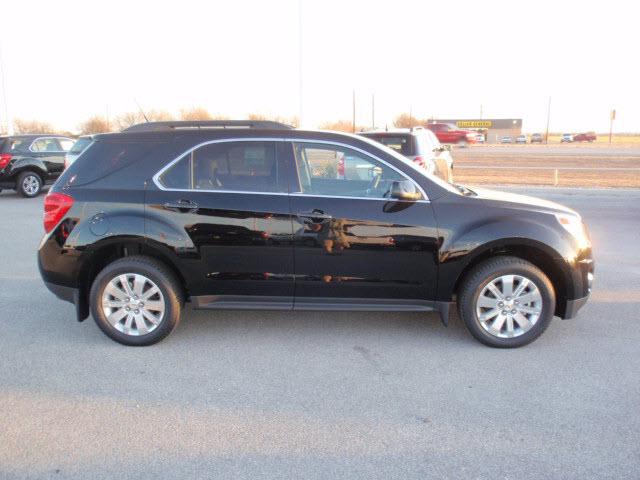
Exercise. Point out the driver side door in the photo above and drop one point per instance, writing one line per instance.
(354, 245)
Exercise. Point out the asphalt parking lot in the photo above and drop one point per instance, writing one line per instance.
(322, 395)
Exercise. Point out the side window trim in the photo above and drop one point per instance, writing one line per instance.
(57, 139)
(291, 142)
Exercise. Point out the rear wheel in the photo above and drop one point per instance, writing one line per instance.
(136, 301)
(29, 184)
(506, 302)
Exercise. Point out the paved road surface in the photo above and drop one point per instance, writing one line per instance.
(317, 395)
(581, 150)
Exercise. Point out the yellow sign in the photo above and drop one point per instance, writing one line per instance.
(474, 123)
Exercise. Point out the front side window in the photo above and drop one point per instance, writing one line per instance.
(46, 145)
(332, 170)
(227, 166)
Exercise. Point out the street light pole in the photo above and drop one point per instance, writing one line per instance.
(353, 120)
(373, 111)
(301, 122)
(546, 136)
(4, 96)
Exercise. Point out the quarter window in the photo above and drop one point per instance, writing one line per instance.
(227, 166)
(339, 171)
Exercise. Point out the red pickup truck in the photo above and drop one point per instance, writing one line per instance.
(585, 137)
(450, 134)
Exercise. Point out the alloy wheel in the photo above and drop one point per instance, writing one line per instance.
(133, 304)
(509, 306)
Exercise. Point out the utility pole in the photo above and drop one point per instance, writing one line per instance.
(301, 122)
(612, 117)
(480, 111)
(546, 135)
(353, 120)
(7, 117)
(373, 111)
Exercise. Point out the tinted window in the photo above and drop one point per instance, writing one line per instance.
(80, 145)
(230, 166)
(46, 145)
(15, 144)
(339, 171)
(403, 144)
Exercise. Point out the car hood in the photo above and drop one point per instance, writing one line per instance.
(521, 201)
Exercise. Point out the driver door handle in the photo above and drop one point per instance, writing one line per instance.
(181, 205)
(315, 213)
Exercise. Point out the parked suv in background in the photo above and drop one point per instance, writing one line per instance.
(522, 138)
(78, 147)
(27, 162)
(566, 138)
(253, 217)
(419, 145)
(452, 135)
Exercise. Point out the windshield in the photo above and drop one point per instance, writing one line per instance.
(416, 168)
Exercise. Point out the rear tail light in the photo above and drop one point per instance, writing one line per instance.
(56, 205)
(5, 158)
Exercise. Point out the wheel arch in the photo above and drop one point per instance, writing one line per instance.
(109, 250)
(537, 253)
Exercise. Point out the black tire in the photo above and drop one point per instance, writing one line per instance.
(158, 273)
(489, 270)
(29, 184)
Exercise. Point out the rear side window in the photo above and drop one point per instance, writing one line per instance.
(227, 166)
(403, 144)
(66, 143)
(15, 144)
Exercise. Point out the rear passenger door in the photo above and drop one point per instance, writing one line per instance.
(230, 198)
(51, 153)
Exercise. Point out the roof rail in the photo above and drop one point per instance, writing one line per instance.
(206, 124)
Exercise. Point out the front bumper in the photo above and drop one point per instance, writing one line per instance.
(573, 306)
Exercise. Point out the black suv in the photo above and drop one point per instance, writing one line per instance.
(27, 162)
(254, 215)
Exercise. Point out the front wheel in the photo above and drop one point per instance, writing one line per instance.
(136, 301)
(506, 302)
(29, 184)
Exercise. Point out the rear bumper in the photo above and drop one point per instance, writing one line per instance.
(68, 294)
(573, 306)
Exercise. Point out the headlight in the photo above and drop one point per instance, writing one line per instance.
(573, 224)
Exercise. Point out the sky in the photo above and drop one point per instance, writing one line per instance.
(65, 61)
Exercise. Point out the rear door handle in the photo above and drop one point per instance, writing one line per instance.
(315, 213)
(181, 205)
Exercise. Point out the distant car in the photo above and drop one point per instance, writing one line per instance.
(78, 147)
(521, 139)
(585, 137)
(452, 135)
(506, 139)
(536, 138)
(566, 138)
(419, 145)
(28, 162)
(480, 138)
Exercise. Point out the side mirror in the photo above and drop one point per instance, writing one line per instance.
(404, 190)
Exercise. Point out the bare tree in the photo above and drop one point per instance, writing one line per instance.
(32, 126)
(405, 120)
(127, 119)
(95, 124)
(199, 113)
(340, 126)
